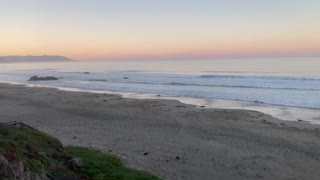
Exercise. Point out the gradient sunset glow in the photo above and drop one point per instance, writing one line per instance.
(166, 29)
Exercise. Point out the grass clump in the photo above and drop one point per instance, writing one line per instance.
(102, 166)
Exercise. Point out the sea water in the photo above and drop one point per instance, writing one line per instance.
(285, 88)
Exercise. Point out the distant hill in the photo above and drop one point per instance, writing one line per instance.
(17, 59)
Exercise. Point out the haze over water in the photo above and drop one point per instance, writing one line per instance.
(276, 66)
(287, 82)
(159, 32)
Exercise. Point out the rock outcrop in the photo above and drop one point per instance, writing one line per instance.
(48, 78)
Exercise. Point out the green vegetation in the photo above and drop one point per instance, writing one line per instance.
(45, 155)
(41, 153)
(102, 166)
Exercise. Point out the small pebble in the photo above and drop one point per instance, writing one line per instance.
(146, 153)
(177, 157)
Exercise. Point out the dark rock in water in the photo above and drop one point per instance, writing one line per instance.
(202, 106)
(177, 157)
(303, 121)
(86, 72)
(125, 78)
(48, 78)
(158, 95)
(146, 153)
(258, 102)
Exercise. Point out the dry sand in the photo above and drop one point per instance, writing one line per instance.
(170, 139)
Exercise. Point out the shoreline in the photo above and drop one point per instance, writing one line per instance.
(168, 138)
(287, 113)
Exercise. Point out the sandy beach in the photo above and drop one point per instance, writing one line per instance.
(168, 138)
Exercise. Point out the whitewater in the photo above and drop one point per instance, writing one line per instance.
(284, 88)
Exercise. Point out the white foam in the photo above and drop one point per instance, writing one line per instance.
(291, 93)
(280, 112)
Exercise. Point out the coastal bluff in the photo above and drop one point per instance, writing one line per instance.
(29, 154)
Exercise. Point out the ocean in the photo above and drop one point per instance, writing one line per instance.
(285, 88)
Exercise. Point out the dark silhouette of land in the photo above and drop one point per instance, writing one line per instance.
(44, 58)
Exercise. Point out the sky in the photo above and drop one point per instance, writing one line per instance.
(160, 30)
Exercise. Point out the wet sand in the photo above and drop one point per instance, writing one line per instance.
(168, 138)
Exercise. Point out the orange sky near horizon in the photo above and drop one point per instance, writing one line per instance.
(196, 32)
(165, 47)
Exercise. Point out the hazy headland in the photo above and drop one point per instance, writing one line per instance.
(26, 59)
